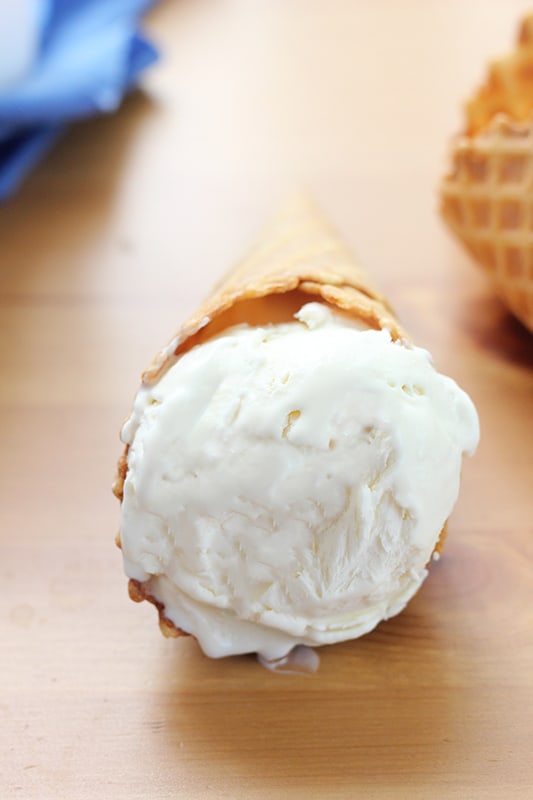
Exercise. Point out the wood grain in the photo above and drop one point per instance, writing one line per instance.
(109, 245)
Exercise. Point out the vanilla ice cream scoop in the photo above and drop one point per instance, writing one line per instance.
(291, 458)
(287, 483)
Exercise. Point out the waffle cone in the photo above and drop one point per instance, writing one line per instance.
(487, 199)
(298, 257)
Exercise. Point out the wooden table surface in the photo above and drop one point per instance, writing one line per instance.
(110, 243)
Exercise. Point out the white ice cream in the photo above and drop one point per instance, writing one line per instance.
(287, 484)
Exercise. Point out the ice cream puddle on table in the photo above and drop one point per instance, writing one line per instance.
(287, 484)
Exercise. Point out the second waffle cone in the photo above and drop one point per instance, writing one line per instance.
(487, 199)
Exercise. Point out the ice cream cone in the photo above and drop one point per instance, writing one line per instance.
(298, 258)
(487, 198)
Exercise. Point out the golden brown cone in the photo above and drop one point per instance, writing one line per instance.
(298, 254)
(486, 198)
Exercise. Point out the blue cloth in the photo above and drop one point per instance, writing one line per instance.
(91, 52)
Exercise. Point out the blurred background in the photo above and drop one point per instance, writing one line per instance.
(152, 141)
